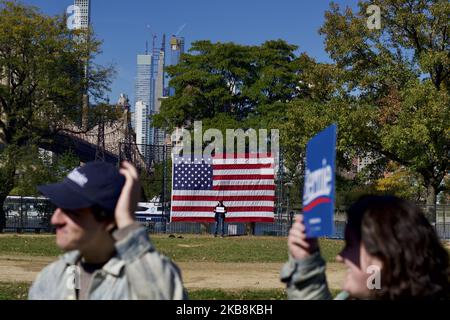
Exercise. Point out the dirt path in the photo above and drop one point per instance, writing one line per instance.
(196, 275)
(230, 276)
(21, 268)
(239, 276)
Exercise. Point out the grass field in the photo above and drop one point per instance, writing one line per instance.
(19, 291)
(29, 245)
(14, 291)
(181, 248)
(185, 249)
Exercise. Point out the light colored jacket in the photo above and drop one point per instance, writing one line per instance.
(136, 272)
(306, 279)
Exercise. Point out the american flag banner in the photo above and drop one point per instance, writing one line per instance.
(245, 183)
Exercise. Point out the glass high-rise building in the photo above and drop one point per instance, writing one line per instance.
(144, 79)
(144, 87)
(84, 24)
(157, 93)
(142, 127)
(150, 90)
(159, 134)
(176, 50)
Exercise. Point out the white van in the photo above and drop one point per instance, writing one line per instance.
(29, 206)
(149, 211)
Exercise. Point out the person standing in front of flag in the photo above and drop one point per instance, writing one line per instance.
(220, 212)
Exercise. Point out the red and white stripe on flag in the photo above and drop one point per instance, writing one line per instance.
(245, 183)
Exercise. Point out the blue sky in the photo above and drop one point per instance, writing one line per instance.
(122, 25)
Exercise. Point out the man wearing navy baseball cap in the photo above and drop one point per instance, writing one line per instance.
(108, 254)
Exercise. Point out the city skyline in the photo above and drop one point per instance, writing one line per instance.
(125, 29)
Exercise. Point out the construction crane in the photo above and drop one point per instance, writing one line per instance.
(180, 29)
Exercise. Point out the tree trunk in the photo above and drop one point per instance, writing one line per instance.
(3, 196)
(204, 228)
(430, 211)
(7, 175)
(2, 211)
(2, 216)
(250, 228)
(85, 112)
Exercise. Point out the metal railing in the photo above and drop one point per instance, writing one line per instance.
(279, 229)
(25, 214)
(28, 214)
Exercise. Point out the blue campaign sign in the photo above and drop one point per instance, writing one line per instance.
(320, 178)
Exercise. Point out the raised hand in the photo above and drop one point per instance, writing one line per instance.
(129, 197)
(299, 246)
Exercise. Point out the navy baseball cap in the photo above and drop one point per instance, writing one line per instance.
(94, 184)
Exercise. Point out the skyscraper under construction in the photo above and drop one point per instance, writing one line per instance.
(176, 50)
(84, 7)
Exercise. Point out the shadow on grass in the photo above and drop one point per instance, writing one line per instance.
(19, 291)
(187, 248)
(14, 290)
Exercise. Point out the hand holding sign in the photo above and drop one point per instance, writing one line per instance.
(299, 246)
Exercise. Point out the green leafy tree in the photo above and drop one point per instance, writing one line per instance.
(153, 183)
(390, 91)
(401, 183)
(42, 82)
(37, 168)
(444, 196)
(231, 86)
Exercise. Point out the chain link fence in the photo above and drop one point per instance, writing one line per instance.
(27, 214)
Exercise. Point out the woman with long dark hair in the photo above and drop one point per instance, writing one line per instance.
(384, 234)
